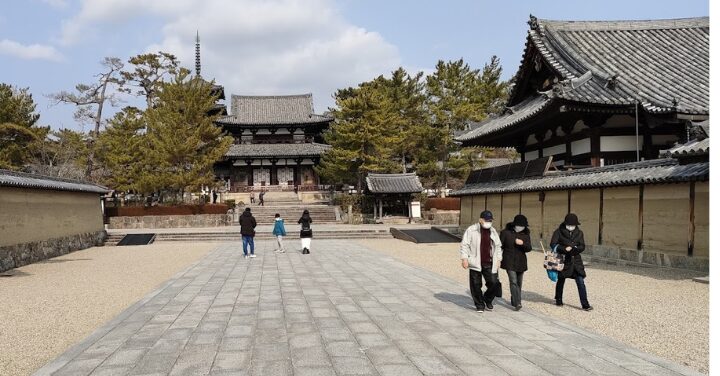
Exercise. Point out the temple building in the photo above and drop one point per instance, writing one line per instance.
(594, 93)
(278, 142)
(611, 119)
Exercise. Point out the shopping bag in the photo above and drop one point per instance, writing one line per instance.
(553, 275)
(553, 260)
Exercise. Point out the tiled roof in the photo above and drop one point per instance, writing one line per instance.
(655, 171)
(700, 145)
(661, 64)
(23, 180)
(522, 111)
(276, 109)
(277, 150)
(394, 183)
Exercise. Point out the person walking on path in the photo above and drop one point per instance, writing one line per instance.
(305, 231)
(515, 239)
(247, 230)
(252, 197)
(481, 252)
(279, 232)
(262, 198)
(570, 243)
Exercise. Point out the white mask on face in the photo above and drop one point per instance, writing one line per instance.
(519, 228)
(486, 225)
(570, 228)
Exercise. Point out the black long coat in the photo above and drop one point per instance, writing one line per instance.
(573, 261)
(305, 230)
(514, 256)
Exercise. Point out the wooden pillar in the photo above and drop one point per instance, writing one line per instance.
(691, 226)
(600, 223)
(375, 208)
(250, 182)
(595, 147)
(640, 218)
(381, 206)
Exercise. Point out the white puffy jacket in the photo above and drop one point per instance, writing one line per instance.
(470, 248)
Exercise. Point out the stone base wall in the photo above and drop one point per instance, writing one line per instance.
(441, 217)
(13, 256)
(171, 221)
(645, 257)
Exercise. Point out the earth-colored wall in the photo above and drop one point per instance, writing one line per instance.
(702, 219)
(511, 208)
(532, 209)
(494, 204)
(586, 204)
(555, 209)
(666, 214)
(32, 215)
(478, 207)
(620, 216)
(465, 211)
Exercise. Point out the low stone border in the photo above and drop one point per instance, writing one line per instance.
(17, 255)
(650, 258)
(171, 221)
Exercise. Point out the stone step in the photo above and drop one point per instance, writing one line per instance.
(112, 240)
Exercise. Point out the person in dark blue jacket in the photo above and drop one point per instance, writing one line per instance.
(279, 232)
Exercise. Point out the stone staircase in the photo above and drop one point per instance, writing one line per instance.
(234, 236)
(290, 208)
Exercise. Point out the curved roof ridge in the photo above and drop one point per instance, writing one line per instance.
(272, 96)
(669, 23)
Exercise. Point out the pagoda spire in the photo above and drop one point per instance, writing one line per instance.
(197, 53)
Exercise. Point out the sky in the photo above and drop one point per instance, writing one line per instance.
(263, 47)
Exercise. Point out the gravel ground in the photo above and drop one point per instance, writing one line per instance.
(49, 306)
(660, 311)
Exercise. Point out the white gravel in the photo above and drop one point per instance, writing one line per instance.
(660, 311)
(47, 307)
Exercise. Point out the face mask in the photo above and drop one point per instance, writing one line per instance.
(519, 228)
(570, 228)
(486, 225)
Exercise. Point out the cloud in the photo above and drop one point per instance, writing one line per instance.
(256, 46)
(29, 52)
(56, 3)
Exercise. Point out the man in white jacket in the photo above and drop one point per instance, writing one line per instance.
(481, 252)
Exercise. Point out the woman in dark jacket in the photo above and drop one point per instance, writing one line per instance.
(570, 243)
(305, 231)
(515, 239)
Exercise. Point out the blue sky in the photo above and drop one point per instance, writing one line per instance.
(279, 46)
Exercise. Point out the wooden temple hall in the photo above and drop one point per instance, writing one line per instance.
(278, 143)
(595, 93)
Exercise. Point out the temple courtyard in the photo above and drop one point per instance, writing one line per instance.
(368, 307)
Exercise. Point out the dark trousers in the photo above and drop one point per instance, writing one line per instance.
(262, 202)
(582, 291)
(476, 278)
(516, 279)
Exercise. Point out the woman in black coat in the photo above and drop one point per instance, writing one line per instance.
(305, 231)
(515, 239)
(570, 243)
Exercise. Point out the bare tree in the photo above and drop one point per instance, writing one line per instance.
(90, 101)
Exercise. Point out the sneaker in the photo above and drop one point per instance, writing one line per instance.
(489, 306)
(281, 251)
(277, 251)
(588, 308)
(246, 256)
(518, 307)
(559, 303)
(479, 310)
(253, 256)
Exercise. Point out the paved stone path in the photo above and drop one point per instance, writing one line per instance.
(342, 310)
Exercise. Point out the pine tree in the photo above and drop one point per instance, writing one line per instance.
(361, 137)
(183, 142)
(20, 138)
(121, 151)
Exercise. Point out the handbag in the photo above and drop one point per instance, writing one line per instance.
(498, 287)
(553, 261)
